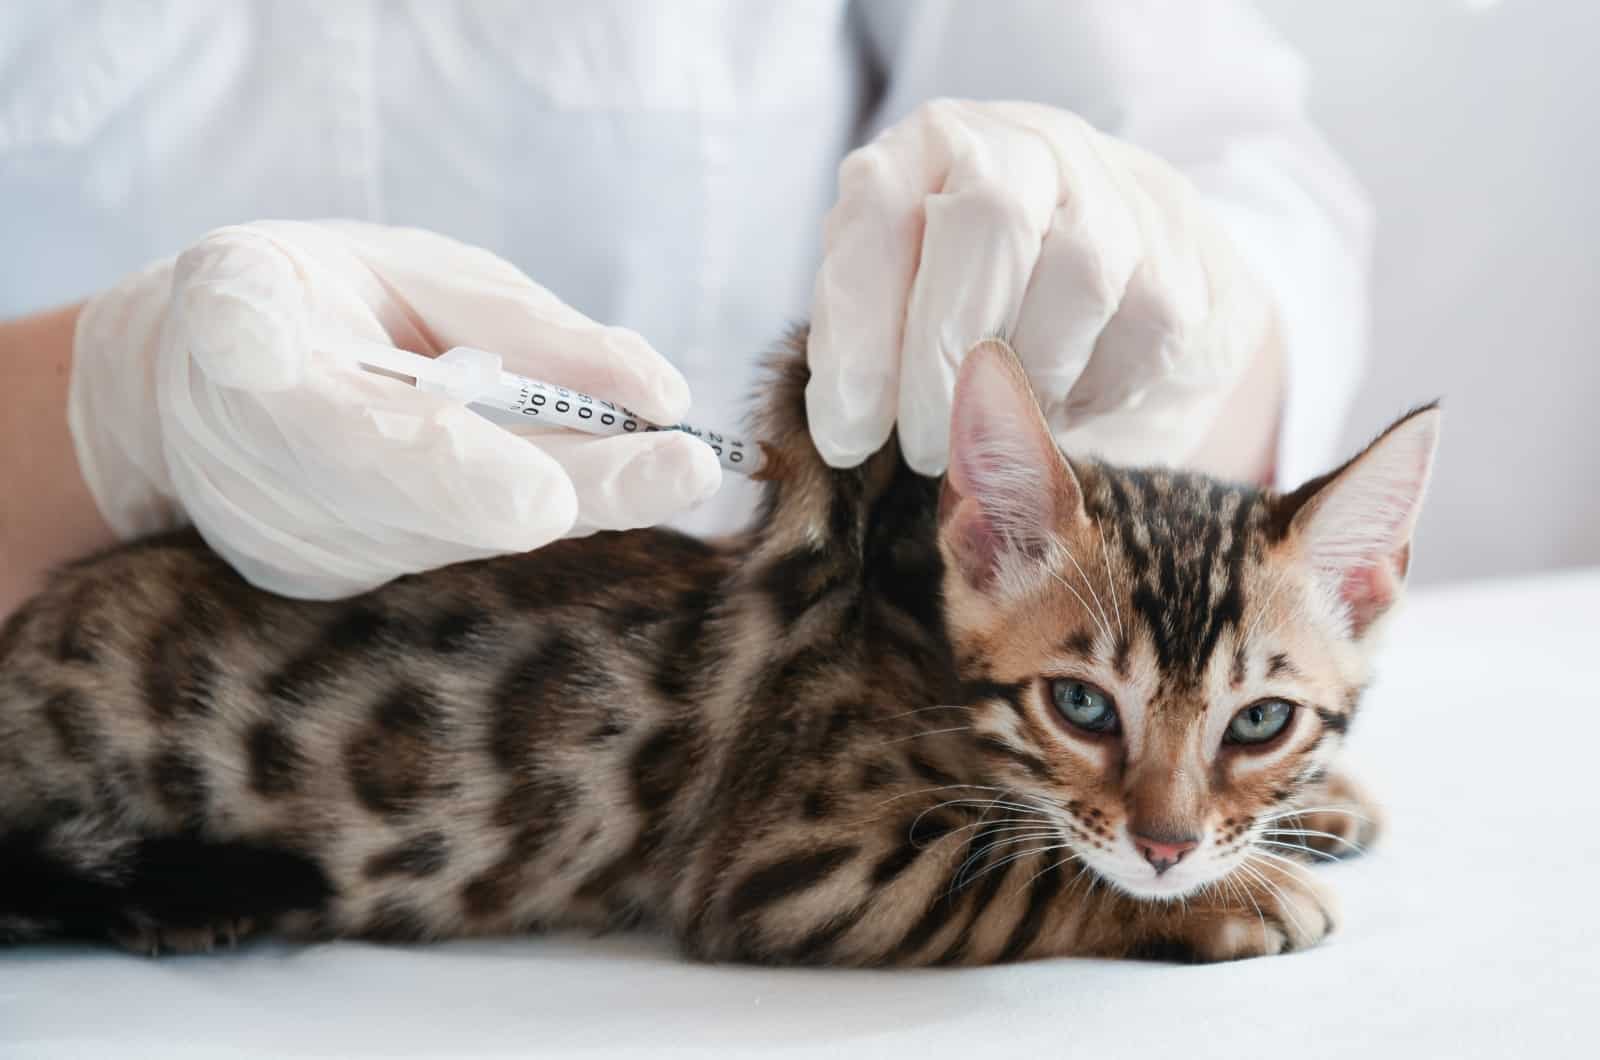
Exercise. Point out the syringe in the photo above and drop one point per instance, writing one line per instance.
(476, 377)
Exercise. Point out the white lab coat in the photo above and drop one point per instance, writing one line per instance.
(662, 166)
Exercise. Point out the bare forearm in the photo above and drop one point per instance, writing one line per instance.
(47, 515)
(1242, 445)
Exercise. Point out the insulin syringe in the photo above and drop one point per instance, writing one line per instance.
(476, 377)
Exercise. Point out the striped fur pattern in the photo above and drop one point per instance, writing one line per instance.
(816, 743)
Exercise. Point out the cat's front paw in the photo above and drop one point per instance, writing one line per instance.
(1342, 821)
(1295, 919)
(1271, 912)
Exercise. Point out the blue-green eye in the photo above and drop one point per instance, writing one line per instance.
(1084, 705)
(1259, 722)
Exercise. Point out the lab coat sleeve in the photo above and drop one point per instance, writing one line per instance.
(1210, 88)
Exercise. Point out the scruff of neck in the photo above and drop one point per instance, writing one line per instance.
(853, 547)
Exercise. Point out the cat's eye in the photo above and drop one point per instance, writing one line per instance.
(1084, 705)
(1259, 722)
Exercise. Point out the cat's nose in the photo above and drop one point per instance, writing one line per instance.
(1165, 851)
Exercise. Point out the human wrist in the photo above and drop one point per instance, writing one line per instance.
(47, 514)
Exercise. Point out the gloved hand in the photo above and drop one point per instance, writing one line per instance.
(203, 389)
(1126, 303)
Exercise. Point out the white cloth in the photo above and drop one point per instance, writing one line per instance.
(659, 167)
(1466, 933)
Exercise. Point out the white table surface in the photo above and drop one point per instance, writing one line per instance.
(1473, 930)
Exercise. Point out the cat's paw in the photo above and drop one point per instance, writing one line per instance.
(1294, 914)
(1280, 912)
(148, 938)
(1344, 821)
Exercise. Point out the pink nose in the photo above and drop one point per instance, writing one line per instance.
(1165, 852)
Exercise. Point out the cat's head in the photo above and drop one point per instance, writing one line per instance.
(1179, 657)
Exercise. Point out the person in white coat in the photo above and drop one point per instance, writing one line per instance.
(634, 199)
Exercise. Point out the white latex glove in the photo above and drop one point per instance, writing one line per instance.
(1126, 303)
(203, 389)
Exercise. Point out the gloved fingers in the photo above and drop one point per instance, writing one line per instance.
(238, 307)
(313, 530)
(635, 480)
(378, 456)
(247, 518)
(1191, 315)
(982, 238)
(1164, 426)
(610, 363)
(456, 295)
(872, 239)
(1085, 263)
(421, 462)
(1213, 301)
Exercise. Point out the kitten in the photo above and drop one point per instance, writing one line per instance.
(1012, 714)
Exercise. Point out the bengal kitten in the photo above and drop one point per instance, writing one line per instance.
(1017, 713)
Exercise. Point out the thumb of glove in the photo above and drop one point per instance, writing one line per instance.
(239, 310)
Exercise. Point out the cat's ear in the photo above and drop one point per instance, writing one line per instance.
(1354, 524)
(1009, 494)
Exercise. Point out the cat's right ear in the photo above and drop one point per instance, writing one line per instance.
(1354, 525)
(1009, 494)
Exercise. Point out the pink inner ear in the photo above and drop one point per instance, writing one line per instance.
(1357, 529)
(1009, 486)
(975, 543)
(1368, 592)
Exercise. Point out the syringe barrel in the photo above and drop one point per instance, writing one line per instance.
(476, 378)
(537, 402)
(534, 401)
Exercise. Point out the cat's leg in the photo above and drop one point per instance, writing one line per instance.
(148, 937)
(185, 894)
(86, 878)
(1340, 820)
(978, 880)
(1264, 909)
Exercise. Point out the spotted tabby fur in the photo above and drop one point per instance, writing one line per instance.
(829, 740)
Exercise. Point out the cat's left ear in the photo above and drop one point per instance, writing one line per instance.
(1009, 496)
(1354, 524)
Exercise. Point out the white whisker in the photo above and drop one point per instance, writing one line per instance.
(1111, 583)
(1029, 814)
(998, 821)
(924, 710)
(920, 791)
(1297, 847)
(1053, 865)
(1020, 807)
(1302, 811)
(1296, 867)
(960, 877)
(1245, 891)
(1277, 891)
(1312, 833)
(1249, 634)
(1009, 858)
(928, 732)
(1067, 585)
(1011, 829)
(1077, 879)
(1105, 619)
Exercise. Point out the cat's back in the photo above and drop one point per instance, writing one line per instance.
(122, 607)
(154, 676)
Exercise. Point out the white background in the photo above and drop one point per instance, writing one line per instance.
(1475, 127)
